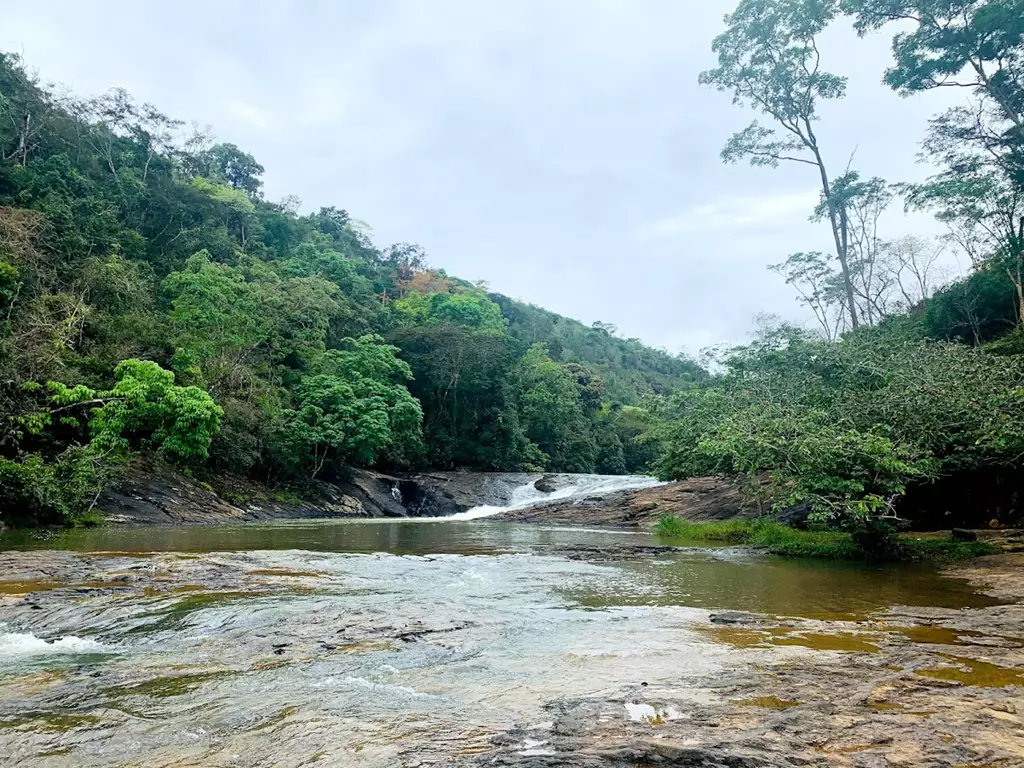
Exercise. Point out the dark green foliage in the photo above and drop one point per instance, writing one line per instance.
(980, 308)
(629, 369)
(845, 427)
(462, 378)
(552, 404)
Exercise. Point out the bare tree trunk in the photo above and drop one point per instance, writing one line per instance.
(839, 227)
(23, 146)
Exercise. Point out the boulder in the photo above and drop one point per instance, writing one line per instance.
(962, 534)
(545, 484)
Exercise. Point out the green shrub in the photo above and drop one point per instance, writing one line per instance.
(782, 540)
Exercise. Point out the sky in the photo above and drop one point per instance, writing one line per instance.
(560, 150)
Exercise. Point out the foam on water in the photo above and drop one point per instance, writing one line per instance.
(584, 485)
(20, 644)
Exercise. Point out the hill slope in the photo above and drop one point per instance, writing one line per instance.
(154, 302)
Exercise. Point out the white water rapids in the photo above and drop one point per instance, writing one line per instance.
(527, 495)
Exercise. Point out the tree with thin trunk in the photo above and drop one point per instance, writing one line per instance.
(815, 281)
(913, 262)
(977, 46)
(863, 203)
(768, 57)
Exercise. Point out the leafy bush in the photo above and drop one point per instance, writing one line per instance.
(144, 407)
(62, 490)
(844, 426)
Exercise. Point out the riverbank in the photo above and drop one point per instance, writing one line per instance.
(779, 539)
(152, 495)
(699, 499)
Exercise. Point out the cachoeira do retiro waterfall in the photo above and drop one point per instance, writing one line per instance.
(274, 493)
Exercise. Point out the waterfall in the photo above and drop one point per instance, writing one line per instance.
(527, 495)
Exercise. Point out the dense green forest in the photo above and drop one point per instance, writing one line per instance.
(154, 303)
(908, 400)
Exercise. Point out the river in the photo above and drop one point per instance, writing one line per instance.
(384, 643)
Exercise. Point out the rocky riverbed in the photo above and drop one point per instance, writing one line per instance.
(699, 499)
(476, 644)
(157, 496)
(907, 687)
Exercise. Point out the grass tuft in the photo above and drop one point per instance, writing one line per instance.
(791, 542)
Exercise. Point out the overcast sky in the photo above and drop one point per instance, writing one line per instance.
(561, 150)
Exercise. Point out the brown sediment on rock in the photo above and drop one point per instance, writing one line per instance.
(909, 688)
(697, 499)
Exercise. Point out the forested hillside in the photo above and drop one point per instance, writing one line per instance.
(909, 399)
(155, 303)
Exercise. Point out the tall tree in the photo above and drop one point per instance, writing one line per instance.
(863, 203)
(976, 45)
(768, 57)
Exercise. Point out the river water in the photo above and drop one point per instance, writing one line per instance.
(371, 643)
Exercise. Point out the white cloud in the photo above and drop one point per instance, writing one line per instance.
(248, 113)
(729, 214)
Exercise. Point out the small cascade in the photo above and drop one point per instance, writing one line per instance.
(527, 495)
(15, 644)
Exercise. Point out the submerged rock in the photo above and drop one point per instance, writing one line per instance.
(735, 617)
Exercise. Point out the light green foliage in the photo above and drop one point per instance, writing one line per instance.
(213, 309)
(353, 409)
(145, 405)
(466, 310)
(319, 258)
(233, 198)
(227, 165)
(9, 284)
(229, 320)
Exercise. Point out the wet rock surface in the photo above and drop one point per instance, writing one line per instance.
(697, 499)
(912, 687)
(157, 496)
(261, 659)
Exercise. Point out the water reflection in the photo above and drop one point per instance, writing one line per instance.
(741, 580)
(406, 537)
(725, 577)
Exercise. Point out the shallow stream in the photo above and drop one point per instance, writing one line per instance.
(373, 643)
